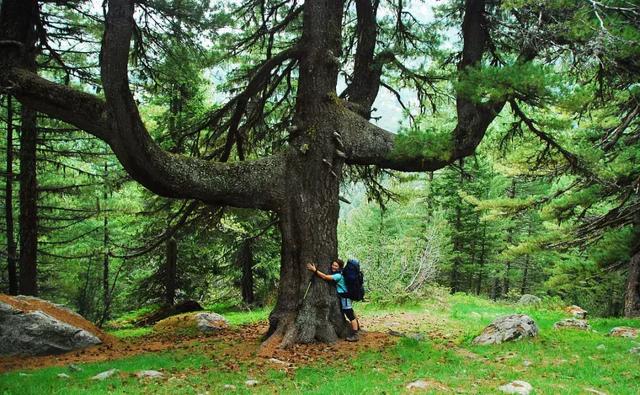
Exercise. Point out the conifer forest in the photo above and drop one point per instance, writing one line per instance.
(171, 165)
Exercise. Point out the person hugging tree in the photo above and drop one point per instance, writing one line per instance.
(341, 287)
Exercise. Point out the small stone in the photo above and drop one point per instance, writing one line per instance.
(150, 374)
(527, 299)
(468, 354)
(418, 384)
(516, 387)
(572, 323)
(74, 368)
(507, 328)
(63, 376)
(594, 391)
(210, 322)
(527, 363)
(104, 375)
(635, 350)
(601, 347)
(576, 312)
(427, 385)
(251, 383)
(23, 374)
(416, 336)
(279, 362)
(624, 331)
(229, 387)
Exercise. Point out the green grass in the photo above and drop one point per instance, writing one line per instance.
(237, 318)
(126, 321)
(131, 332)
(557, 361)
(123, 329)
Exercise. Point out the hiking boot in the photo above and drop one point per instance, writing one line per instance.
(352, 338)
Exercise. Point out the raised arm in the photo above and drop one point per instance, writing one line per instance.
(312, 268)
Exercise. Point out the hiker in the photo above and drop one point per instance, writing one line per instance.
(345, 303)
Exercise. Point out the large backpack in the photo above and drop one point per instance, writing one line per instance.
(353, 279)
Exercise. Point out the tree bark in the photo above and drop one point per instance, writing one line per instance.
(18, 34)
(8, 205)
(309, 217)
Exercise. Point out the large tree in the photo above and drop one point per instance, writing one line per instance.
(299, 182)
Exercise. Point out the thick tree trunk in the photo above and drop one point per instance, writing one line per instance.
(8, 205)
(171, 272)
(28, 205)
(307, 308)
(18, 20)
(245, 261)
(309, 216)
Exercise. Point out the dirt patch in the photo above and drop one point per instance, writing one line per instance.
(27, 304)
(102, 352)
(239, 345)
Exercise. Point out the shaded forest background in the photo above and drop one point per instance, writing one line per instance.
(546, 206)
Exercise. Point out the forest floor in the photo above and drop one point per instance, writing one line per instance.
(428, 341)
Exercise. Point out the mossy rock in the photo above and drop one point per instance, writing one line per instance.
(192, 323)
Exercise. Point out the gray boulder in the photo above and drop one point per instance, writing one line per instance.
(507, 328)
(572, 323)
(527, 299)
(37, 333)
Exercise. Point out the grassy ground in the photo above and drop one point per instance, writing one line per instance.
(567, 361)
